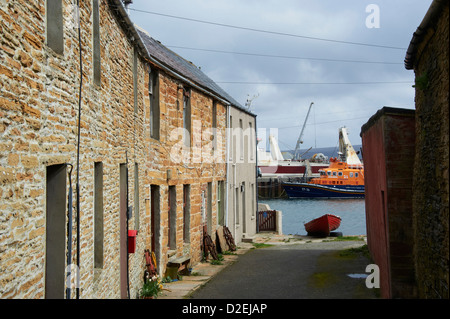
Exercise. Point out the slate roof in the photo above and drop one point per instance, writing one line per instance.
(183, 67)
(154, 50)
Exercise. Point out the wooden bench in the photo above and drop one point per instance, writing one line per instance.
(178, 265)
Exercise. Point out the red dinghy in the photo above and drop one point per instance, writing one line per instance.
(323, 225)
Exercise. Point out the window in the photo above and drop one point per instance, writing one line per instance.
(153, 89)
(253, 200)
(230, 139)
(241, 139)
(155, 212)
(244, 208)
(135, 78)
(136, 196)
(54, 28)
(220, 203)
(236, 202)
(186, 213)
(251, 141)
(187, 116)
(98, 215)
(96, 42)
(172, 203)
(214, 124)
(209, 210)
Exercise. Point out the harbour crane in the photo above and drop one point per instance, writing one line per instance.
(300, 141)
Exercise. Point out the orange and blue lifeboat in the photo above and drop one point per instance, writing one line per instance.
(339, 180)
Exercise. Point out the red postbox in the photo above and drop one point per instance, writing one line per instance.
(132, 241)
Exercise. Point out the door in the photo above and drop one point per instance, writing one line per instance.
(55, 231)
(123, 233)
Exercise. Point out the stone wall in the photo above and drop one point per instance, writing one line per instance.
(38, 128)
(197, 170)
(431, 188)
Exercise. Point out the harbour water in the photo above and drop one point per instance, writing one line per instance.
(296, 212)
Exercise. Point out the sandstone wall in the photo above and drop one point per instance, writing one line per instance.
(38, 128)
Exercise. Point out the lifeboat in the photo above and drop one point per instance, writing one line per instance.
(339, 180)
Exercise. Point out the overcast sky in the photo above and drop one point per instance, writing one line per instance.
(293, 63)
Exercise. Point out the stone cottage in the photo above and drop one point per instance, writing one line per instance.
(228, 141)
(106, 149)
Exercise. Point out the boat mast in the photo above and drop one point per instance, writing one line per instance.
(300, 141)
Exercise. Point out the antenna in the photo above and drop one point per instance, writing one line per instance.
(127, 3)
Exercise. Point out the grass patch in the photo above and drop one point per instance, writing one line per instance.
(288, 240)
(261, 245)
(322, 279)
(217, 261)
(228, 252)
(355, 252)
(195, 274)
(349, 238)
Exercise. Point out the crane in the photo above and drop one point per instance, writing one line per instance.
(300, 141)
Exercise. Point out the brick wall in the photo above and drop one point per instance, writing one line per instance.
(375, 188)
(38, 128)
(388, 146)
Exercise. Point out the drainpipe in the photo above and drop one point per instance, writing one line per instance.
(235, 200)
(69, 234)
(78, 148)
(127, 218)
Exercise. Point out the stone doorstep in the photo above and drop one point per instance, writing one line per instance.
(248, 239)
